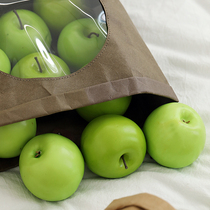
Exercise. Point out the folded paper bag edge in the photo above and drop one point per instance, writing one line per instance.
(75, 99)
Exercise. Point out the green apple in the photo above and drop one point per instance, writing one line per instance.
(14, 136)
(21, 33)
(80, 41)
(40, 65)
(175, 135)
(113, 146)
(51, 167)
(5, 64)
(116, 106)
(58, 13)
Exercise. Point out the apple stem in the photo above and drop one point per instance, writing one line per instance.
(185, 121)
(38, 154)
(21, 24)
(93, 33)
(126, 167)
(40, 68)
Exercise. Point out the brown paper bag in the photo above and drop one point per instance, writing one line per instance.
(142, 201)
(123, 67)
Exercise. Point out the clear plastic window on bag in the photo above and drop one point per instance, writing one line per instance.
(50, 38)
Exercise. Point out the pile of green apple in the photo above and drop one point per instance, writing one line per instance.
(53, 39)
(112, 146)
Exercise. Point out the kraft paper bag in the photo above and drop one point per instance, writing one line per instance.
(123, 67)
(142, 201)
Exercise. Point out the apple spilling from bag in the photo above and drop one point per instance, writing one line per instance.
(51, 167)
(175, 135)
(13, 137)
(116, 106)
(112, 145)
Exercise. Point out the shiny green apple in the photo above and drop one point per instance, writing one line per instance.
(13, 137)
(113, 146)
(40, 65)
(80, 41)
(175, 135)
(58, 13)
(23, 32)
(115, 106)
(51, 167)
(5, 64)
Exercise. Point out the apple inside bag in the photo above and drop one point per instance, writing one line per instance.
(22, 31)
(51, 38)
(42, 64)
(80, 42)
